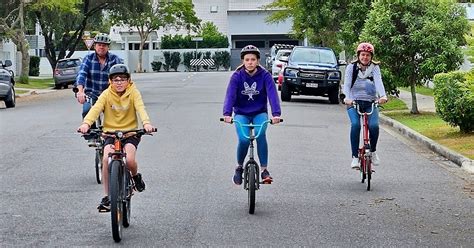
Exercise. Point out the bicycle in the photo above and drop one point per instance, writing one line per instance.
(121, 184)
(365, 155)
(97, 141)
(251, 181)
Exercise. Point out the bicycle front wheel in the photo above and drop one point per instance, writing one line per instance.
(368, 168)
(116, 199)
(127, 203)
(98, 165)
(251, 187)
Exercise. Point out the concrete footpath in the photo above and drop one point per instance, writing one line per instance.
(426, 103)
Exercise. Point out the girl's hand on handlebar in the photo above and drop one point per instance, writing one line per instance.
(275, 119)
(383, 99)
(348, 102)
(228, 119)
(83, 128)
(149, 128)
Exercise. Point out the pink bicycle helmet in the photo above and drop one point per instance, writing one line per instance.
(365, 47)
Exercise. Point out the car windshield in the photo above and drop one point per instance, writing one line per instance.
(311, 55)
(69, 63)
(281, 53)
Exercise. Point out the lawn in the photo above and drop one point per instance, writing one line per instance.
(423, 90)
(433, 127)
(37, 83)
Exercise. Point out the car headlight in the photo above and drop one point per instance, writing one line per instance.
(334, 75)
(291, 72)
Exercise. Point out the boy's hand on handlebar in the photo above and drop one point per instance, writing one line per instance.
(83, 128)
(149, 128)
(383, 99)
(228, 119)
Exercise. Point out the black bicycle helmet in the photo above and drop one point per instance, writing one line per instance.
(119, 69)
(102, 38)
(249, 49)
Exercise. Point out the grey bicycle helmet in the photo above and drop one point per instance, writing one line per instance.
(249, 49)
(119, 69)
(102, 38)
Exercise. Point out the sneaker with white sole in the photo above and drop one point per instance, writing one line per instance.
(375, 159)
(355, 163)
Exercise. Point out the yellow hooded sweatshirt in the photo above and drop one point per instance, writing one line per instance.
(120, 112)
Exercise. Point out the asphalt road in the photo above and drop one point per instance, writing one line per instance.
(49, 194)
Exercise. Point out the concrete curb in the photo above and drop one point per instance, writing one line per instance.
(463, 162)
(33, 92)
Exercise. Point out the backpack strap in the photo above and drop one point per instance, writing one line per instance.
(355, 70)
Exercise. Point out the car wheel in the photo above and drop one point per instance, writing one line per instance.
(334, 96)
(11, 99)
(65, 86)
(285, 93)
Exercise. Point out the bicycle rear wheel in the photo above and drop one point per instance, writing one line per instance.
(251, 187)
(98, 165)
(116, 201)
(127, 203)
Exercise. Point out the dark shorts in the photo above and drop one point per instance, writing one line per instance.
(134, 140)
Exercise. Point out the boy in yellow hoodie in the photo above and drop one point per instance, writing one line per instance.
(120, 102)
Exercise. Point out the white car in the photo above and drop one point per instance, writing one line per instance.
(277, 65)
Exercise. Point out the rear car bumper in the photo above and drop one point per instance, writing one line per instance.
(63, 79)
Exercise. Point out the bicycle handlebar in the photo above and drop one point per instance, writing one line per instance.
(119, 134)
(356, 106)
(251, 126)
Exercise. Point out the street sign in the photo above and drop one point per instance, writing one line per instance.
(89, 43)
(196, 39)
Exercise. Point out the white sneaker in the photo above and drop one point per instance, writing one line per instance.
(375, 159)
(355, 163)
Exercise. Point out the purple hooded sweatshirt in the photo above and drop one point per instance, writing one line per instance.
(247, 95)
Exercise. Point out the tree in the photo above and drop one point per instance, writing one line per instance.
(416, 40)
(63, 25)
(333, 23)
(12, 26)
(212, 37)
(147, 16)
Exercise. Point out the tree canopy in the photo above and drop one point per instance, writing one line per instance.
(416, 40)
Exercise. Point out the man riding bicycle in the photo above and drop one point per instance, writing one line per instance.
(92, 77)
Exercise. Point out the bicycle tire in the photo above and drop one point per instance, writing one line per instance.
(127, 204)
(368, 167)
(98, 166)
(116, 194)
(251, 187)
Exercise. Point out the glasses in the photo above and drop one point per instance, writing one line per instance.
(119, 80)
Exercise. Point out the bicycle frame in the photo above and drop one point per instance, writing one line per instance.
(365, 155)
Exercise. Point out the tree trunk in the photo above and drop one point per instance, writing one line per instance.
(414, 105)
(25, 59)
(140, 56)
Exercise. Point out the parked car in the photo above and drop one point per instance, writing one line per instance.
(7, 84)
(66, 72)
(312, 71)
(277, 64)
(270, 57)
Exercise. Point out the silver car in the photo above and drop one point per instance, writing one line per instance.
(66, 72)
(277, 64)
(7, 83)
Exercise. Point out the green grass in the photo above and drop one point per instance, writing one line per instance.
(433, 127)
(420, 90)
(37, 83)
(394, 104)
(17, 92)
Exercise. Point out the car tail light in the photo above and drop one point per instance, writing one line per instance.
(280, 78)
(56, 72)
(279, 65)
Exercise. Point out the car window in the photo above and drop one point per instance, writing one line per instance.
(282, 54)
(68, 63)
(4, 77)
(314, 56)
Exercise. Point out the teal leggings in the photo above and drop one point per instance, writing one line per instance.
(243, 146)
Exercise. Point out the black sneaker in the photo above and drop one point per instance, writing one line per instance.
(238, 176)
(139, 184)
(104, 205)
(266, 178)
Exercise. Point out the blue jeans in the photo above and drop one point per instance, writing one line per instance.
(86, 106)
(355, 126)
(243, 146)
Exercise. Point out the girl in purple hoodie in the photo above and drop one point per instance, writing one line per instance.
(249, 88)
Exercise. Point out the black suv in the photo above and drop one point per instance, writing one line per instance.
(312, 71)
(7, 83)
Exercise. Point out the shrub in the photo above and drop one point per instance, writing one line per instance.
(175, 60)
(34, 66)
(187, 56)
(454, 99)
(156, 65)
(167, 64)
(225, 60)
